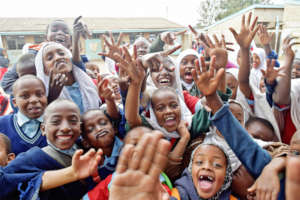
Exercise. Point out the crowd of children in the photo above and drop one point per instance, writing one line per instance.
(154, 127)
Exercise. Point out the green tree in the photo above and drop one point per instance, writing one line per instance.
(229, 7)
(211, 11)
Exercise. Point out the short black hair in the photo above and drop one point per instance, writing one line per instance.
(28, 76)
(25, 61)
(263, 121)
(56, 20)
(6, 142)
(54, 103)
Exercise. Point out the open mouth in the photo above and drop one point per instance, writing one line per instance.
(170, 120)
(34, 109)
(164, 81)
(206, 182)
(64, 136)
(60, 40)
(188, 76)
(101, 134)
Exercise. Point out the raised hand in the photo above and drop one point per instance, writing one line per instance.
(206, 81)
(80, 28)
(113, 46)
(151, 59)
(170, 37)
(131, 65)
(104, 90)
(217, 49)
(287, 46)
(86, 165)
(138, 169)
(264, 37)
(271, 73)
(247, 32)
(56, 84)
(198, 36)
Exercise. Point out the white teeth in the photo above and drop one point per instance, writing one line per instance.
(164, 81)
(170, 118)
(201, 177)
(210, 178)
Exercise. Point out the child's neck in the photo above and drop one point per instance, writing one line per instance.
(71, 79)
(107, 151)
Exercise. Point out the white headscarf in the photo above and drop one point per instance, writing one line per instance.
(178, 61)
(186, 115)
(255, 73)
(295, 102)
(89, 94)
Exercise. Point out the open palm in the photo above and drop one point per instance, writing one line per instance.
(206, 81)
(247, 32)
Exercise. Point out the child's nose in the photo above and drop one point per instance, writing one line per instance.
(65, 126)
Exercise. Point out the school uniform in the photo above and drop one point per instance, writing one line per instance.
(110, 163)
(24, 133)
(22, 177)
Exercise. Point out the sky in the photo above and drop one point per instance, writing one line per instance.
(183, 12)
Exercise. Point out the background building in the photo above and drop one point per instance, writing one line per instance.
(15, 32)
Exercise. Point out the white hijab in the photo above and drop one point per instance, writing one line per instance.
(261, 106)
(295, 102)
(255, 73)
(89, 94)
(178, 61)
(186, 115)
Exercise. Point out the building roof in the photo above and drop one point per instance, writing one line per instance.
(96, 25)
(255, 6)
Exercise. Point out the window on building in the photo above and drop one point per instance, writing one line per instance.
(15, 42)
(39, 39)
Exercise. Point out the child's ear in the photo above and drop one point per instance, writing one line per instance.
(85, 144)
(10, 157)
(14, 102)
(42, 127)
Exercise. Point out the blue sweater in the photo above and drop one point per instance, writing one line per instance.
(253, 157)
(19, 141)
(22, 178)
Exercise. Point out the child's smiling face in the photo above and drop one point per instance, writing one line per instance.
(186, 66)
(162, 72)
(62, 124)
(56, 58)
(30, 97)
(98, 130)
(208, 170)
(59, 32)
(166, 107)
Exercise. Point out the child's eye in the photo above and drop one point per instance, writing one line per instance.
(24, 96)
(40, 94)
(174, 105)
(217, 165)
(49, 57)
(102, 122)
(184, 62)
(159, 108)
(55, 122)
(198, 162)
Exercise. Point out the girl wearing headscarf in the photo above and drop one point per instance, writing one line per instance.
(53, 58)
(206, 176)
(185, 64)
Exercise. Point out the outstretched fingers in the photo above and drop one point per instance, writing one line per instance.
(125, 158)
(160, 158)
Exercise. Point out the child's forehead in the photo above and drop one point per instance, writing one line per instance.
(25, 84)
(209, 150)
(59, 23)
(93, 114)
(63, 109)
